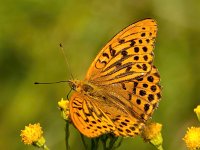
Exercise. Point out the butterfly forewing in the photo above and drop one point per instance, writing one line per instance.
(127, 56)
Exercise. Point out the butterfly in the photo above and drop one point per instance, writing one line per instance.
(121, 89)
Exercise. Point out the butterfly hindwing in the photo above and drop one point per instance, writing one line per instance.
(147, 93)
(141, 95)
(139, 98)
(127, 126)
(87, 118)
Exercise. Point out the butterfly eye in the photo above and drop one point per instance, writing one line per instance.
(72, 85)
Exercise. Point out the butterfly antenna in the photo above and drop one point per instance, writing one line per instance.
(66, 62)
(50, 82)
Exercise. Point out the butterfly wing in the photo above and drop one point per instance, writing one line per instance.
(124, 69)
(129, 104)
(140, 96)
(127, 56)
(88, 118)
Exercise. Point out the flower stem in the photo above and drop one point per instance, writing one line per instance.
(160, 147)
(108, 141)
(67, 135)
(45, 147)
(83, 140)
(119, 143)
(112, 142)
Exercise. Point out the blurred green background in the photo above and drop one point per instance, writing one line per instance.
(30, 33)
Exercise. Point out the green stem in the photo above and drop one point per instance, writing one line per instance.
(93, 146)
(83, 140)
(45, 147)
(112, 142)
(104, 139)
(67, 135)
(109, 142)
(160, 147)
(119, 143)
(97, 143)
(94, 143)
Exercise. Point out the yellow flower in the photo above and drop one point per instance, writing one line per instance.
(152, 133)
(197, 111)
(151, 130)
(192, 138)
(64, 107)
(63, 104)
(31, 133)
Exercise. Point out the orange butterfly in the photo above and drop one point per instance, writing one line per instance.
(121, 88)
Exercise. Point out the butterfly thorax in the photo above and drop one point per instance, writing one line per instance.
(98, 95)
(82, 86)
(88, 89)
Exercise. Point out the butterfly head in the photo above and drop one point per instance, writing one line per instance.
(73, 84)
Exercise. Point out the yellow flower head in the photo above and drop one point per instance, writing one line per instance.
(197, 111)
(64, 107)
(63, 104)
(152, 133)
(31, 134)
(151, 130)
(192, 138)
